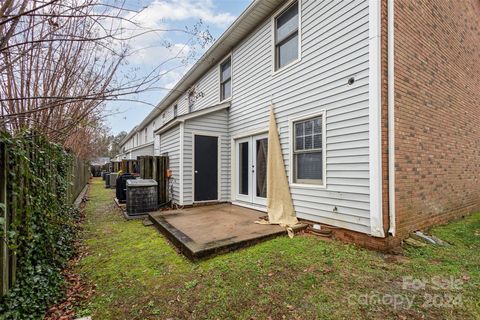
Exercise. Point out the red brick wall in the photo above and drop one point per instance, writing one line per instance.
(437, 111)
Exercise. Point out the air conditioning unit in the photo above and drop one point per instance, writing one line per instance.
(142, 196)
(107, 180)
(113, 179)
(121, 187)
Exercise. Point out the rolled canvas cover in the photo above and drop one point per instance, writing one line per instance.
(279, 201)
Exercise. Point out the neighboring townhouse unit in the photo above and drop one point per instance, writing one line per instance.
(377, 105)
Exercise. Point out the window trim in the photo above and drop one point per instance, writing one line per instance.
(276, 70)
(291, 122)
(191, 102)
(229, 56)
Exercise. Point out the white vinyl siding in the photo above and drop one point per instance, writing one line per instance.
(144, 150)
(207, 87)
(170, 145)
(211, 124)
(334, 37)
(334, 42)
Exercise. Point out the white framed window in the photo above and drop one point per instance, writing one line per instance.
(153, 131)
(287, 36)
(191, 100)
(146, 136)
(308, 150)
(175, 111)
(226, 79)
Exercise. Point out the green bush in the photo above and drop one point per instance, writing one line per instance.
(43, 226)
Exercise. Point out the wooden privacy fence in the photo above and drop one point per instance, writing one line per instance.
(20, 192)
(115, 166)
(7, 262)
(155, 167)
(80, 175)
(129, 166)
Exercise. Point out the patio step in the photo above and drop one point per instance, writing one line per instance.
(202, 232)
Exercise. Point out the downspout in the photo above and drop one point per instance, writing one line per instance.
(391, 117)
(182, 133)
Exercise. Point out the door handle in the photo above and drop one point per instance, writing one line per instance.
(196, 171)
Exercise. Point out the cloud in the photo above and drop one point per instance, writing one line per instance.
(182, 10)
(151, 52)
(163, 16)
(170, 79)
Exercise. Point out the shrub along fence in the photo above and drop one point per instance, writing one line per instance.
(39, 182)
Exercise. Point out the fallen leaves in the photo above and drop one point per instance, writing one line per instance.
(76, 289)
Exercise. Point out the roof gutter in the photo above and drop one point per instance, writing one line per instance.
(172, 123)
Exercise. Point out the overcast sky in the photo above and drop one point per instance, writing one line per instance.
(150, 49)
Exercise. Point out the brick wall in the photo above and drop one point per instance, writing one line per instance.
(437, 111)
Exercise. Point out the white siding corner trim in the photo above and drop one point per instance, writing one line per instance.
(375, 111)
(182, 129)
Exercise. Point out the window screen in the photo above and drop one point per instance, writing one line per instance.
(308, 151)
(286, 37)
(191, 101)
(226, 79)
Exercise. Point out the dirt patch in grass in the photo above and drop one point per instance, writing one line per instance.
(138, 275)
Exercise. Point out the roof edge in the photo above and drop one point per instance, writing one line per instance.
(196, 114)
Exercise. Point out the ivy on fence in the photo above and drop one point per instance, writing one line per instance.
(41, 223)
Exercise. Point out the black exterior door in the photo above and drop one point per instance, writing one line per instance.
(206, 168)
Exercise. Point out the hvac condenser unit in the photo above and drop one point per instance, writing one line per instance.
(141, 196)
(107, 180)
(121, 188)
(113, 179)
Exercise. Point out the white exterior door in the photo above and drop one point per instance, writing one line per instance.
(251, 169)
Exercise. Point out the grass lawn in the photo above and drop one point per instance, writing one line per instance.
(138, 275)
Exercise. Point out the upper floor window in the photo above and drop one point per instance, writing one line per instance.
(226, 79)
(153, 131)
(191, 100)
(175, 111)
(286, 36)
(308, 151)
(146, 137)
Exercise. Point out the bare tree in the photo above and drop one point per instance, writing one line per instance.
(60, 62)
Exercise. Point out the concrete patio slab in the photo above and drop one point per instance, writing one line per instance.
(203, 231)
